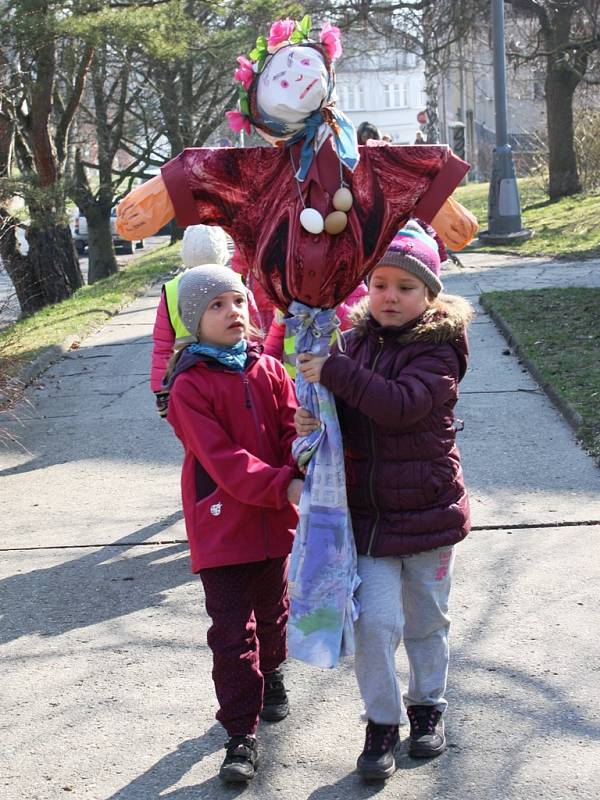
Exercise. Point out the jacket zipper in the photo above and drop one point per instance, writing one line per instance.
(250, 405)
(372, 472)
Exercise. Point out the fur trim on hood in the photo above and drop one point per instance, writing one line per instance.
(443, 321)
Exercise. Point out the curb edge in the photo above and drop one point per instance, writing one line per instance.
(572, 416)
(53, 353)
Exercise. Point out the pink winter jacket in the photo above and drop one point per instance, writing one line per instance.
(163, 336)
(276, 335)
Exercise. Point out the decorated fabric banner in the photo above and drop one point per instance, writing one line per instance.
(322, 575)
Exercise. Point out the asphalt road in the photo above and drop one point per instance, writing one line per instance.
(104, 668)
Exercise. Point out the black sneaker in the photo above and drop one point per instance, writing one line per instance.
(377, 762)
(275, 700)
(427, 736)
(241, 761)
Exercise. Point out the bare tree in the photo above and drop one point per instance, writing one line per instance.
(565, 38)
(41, 118)
(430, 29)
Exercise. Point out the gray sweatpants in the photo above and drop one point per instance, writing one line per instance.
(403, 598)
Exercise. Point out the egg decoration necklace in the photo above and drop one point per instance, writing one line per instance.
(336, 221)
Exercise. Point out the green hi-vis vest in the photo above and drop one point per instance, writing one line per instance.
(289, 354)
(170, 287)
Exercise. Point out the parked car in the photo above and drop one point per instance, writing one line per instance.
(80, 235)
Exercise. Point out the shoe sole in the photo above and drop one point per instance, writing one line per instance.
(273, 716)
(376, 776)
(236, 777)
(233, 777)
(429, 753)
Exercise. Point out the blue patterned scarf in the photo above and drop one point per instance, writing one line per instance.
(233, 357)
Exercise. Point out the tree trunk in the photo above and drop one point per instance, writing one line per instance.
(562, 161)
(53, 264)
(432, 126)
(102, 259)
(25, 283)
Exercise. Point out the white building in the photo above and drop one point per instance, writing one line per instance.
(384, 87)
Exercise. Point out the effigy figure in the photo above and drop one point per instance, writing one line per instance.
(311, 215)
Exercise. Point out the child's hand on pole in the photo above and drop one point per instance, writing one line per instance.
(295, 490)
(305, 422)
(310, 366)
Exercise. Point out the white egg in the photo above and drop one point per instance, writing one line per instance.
(312, 221)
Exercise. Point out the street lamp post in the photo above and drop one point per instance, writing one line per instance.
(504, 206)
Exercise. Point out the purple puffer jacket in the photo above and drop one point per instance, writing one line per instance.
(396, 389)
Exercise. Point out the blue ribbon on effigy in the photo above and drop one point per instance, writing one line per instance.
(322, 576)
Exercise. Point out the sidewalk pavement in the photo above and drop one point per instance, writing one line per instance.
(105, 671)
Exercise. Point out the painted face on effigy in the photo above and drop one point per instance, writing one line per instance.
(293, 84)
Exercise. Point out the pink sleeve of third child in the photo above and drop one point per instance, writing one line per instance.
(344, 309)
(163, 337)
(274, 342)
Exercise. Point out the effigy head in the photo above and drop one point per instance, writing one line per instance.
(294, 83)
(287, 79)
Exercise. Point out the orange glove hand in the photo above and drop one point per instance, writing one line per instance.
(145, 210)
(454, 224)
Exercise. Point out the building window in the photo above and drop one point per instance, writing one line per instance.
(395, 95)
(352, 98)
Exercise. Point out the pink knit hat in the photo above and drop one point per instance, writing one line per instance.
(413, 250)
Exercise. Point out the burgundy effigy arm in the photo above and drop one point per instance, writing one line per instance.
(442, 186)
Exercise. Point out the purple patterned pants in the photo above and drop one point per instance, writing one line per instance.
(248, 605)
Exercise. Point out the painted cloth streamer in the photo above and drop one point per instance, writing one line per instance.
(322, 575)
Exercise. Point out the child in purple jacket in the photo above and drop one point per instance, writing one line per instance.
(396, 385)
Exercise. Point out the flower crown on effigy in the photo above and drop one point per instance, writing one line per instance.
(283, 33)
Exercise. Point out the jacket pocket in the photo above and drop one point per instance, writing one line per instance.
(438, 479)
(208, 507)
(205, 486)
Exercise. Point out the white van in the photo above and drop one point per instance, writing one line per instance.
(79, 229)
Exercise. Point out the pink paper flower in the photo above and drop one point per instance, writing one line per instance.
(244, 73)
(330, 39)
(238, 121)
(281, 31)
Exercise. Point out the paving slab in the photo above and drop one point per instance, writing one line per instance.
(106, 679)
(104, 665)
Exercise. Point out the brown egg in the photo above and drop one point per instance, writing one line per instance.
(342, 199)
(335, 222)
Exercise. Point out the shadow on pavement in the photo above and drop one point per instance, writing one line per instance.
(155, 782)
(96, 587)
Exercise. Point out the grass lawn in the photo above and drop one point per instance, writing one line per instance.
(563, 229)
(557, 329)
(86, 310)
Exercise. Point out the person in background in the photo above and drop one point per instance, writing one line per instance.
(365, 131)
(419, 138)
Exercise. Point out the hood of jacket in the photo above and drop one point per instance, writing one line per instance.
(443, 322)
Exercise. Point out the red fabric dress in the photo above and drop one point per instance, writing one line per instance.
(252, 193)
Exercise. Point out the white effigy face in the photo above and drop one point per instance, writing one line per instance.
(292, 85)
